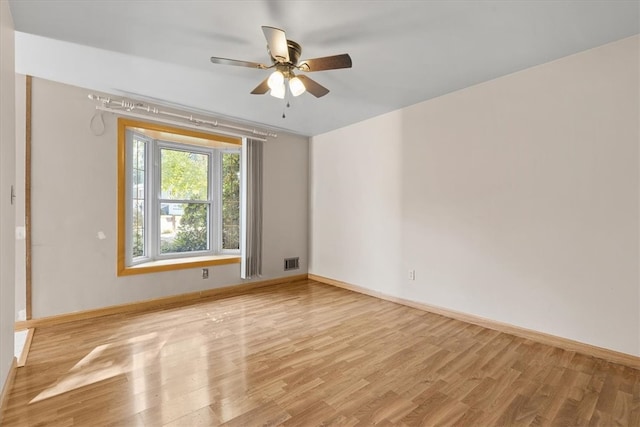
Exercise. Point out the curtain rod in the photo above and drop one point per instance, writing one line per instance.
(125, 107)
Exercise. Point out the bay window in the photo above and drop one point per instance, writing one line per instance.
(178, 198)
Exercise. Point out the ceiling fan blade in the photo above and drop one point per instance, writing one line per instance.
(262, 88)
(226, 61)
(277, 43)
(326, 63)
(313, 87)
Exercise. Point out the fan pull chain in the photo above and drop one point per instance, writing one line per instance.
(284, 116)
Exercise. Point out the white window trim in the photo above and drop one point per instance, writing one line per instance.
(128, 195)
(153, 200)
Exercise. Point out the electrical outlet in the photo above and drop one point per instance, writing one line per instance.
(412, 275)
(205, 273)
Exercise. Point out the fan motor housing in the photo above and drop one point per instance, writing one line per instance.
(295, 50)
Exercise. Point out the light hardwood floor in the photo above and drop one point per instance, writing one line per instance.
(308, 354)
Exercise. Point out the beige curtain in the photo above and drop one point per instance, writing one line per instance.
(251, 246)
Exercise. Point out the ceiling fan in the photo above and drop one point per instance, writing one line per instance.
(285, 58)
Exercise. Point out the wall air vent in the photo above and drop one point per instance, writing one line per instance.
(291, 263)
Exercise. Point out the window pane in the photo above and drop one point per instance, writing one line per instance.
(184, 227)
(137, 198)
(230, 201)
(184, 175)
(137, 232)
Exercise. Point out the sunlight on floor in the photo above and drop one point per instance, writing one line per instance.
(98, 365)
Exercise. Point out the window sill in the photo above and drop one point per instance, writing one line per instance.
(178, 264)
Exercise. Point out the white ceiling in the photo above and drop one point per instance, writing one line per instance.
(403, 52)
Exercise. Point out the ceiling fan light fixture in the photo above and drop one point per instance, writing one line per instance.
(278, 91)
(296, 86)
(276, 79)
(285, 59)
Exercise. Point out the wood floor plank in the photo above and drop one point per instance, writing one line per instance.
(203, 417)
(303, 354)
(634, 415)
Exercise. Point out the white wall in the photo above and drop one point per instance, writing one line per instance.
(356, 203)
(515, 200)
(7, 178)
(74, 197)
